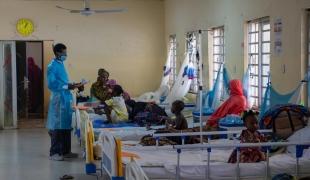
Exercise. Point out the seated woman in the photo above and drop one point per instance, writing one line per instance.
(235, 104)
(115, 108)
(249, 135)
(111, 83)
(99, 89)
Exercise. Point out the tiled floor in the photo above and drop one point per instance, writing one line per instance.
(24, 156)
(31, 123)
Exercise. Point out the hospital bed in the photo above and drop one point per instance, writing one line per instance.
(127, 132)
(207, 161)
(161, 162)
(167, 162)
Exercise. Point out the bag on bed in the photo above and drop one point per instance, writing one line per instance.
(284, 120)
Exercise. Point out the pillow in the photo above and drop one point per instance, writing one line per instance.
(300, 135)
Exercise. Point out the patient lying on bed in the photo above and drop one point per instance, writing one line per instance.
(249, 135)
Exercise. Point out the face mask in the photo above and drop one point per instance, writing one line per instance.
(62, 58)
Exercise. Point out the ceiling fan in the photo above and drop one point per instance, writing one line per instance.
(86, 11)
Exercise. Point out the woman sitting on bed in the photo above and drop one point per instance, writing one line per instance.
(99, 89)
(235, 104)
(115, 108)
(249, 135)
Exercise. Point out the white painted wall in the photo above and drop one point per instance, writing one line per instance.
(184, 15)
(129, 45)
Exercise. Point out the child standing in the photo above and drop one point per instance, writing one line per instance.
(115, 108)
(249, 135)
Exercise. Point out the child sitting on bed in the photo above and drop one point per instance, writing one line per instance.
(179, 123)
(249, 135)
(115, 108)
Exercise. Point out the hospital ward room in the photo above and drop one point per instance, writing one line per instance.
(155, 90)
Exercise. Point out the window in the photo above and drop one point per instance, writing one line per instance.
(191, 48)
(258, 58)
(173, 59)
(218, 52)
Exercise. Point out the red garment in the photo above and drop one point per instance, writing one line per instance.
(35, 86)
(235, 104)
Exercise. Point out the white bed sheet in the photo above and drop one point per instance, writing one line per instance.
(161, 164)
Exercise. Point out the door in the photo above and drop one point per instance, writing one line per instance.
(29, 61)
(8, 100)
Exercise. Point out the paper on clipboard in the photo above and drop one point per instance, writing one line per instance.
(83, 82)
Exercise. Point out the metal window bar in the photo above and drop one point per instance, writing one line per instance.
(218, 57)
(256, 30)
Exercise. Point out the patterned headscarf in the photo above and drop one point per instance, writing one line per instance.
(111, 82)
(102, 72)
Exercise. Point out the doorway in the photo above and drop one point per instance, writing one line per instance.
(23, 96)
(30, 90)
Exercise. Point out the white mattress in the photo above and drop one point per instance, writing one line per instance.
(161, 164)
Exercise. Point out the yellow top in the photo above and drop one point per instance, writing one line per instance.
(119, 110)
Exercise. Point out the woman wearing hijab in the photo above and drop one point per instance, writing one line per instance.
(99, 89)
(235, 104)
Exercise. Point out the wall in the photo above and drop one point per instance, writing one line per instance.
(129, 45)
(47, 54)
(183, 15)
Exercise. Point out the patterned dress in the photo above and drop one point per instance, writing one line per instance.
(100, 91)
(249, 155)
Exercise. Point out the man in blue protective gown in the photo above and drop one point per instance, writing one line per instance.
(60, 107)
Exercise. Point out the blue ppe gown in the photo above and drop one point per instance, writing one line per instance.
(60, 105)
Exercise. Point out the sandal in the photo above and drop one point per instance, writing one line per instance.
(64, 177)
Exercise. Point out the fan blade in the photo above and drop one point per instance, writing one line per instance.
(64, 8)
(75, 11)
(111, 10)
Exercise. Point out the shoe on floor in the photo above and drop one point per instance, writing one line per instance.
(64, 177)
(56, 157)
(71, 155)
